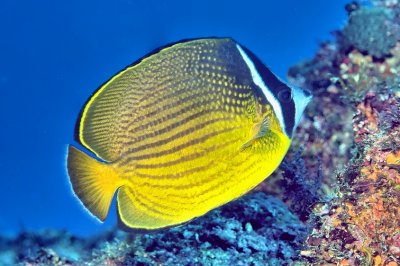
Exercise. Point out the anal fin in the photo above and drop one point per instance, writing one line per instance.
(133, 217)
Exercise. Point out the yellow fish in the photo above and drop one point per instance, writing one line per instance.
(187, 129)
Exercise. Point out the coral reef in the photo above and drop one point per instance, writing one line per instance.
(254, 230)
(370, 30)
(360, 223)
(48, 247)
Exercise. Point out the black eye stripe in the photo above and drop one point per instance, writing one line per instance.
(275, 86)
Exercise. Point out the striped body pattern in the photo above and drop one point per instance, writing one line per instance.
(179, 133)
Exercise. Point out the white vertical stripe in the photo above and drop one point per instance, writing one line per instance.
(276, 106)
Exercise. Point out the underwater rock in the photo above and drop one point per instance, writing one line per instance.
(302, 187)
(370, 30)
(362, 224)
(359, 222)
(46, 247)
(353, 129)
(255, 230)
(325, 133)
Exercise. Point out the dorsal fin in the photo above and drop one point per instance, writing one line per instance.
(128, 110)
(99, 124)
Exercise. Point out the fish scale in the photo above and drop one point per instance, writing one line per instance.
(198, 178)
(200, 197)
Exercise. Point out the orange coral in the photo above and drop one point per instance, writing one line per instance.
(393, 159)
(363, 226)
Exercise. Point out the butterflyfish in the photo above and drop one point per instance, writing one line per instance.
(184, 130)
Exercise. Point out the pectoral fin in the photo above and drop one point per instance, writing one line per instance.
(258, 131)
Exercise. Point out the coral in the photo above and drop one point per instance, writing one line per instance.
(47, 247)
(362, 224)
(254, 230)
(370, 30)
(325, 132)
(302, 188)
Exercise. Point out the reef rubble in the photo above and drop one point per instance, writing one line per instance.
(255, 230)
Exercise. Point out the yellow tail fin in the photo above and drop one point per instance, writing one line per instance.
(93, 182)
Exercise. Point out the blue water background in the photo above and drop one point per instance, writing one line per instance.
(54, 54)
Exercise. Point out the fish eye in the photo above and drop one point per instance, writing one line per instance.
(285, 95)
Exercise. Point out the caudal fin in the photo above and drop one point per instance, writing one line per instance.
(93, 182)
